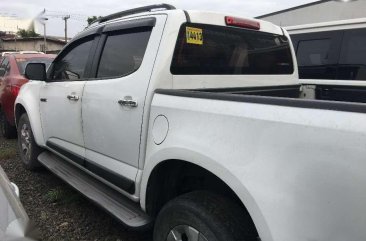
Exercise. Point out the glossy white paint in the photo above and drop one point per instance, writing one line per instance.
(61, 117)
(28, 97)
(327, 26)
(218, 18)
(160, 129)
(116, 133)
(332, 82)
(300, 172)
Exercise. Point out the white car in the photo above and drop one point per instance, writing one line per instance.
(14, 221)
(196, 122)
(31, 52)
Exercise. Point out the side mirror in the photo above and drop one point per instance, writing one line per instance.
(35, 71)
(2, 71)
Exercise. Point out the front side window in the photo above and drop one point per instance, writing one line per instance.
(123, 52)
(72, 64)
(216, 50)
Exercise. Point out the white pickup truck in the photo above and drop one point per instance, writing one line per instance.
(196, 123)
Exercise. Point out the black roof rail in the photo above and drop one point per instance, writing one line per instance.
(134, 11)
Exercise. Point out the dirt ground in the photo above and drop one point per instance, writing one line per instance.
(59, 212)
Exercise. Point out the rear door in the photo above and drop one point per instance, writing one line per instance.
(113, 102)
(61, 98)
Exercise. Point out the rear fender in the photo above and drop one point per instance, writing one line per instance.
(217, 168)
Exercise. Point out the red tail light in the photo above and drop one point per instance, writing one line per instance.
(14, 89)
(242, 23)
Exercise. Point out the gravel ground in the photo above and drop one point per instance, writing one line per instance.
(58, 211)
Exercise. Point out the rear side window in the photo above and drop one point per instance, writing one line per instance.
(72, 65)
(354, 47)
(317, 54)
(218, 50)
(352, 62)
(123, 52)
(5, 65)
(313, 52)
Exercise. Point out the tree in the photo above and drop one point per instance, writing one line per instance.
(27, 33)
(92, 19)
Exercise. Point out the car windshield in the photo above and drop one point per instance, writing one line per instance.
(22, 62)
(216, 50)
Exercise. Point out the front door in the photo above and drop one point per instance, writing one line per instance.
(113, 103)
(61, 100)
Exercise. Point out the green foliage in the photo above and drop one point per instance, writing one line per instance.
(55, 195)
(92, 19)
(7, 153)
(62, 196)
(27, 33)
(9, 150)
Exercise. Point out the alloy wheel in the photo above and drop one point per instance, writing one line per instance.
(185, 233)
(25, 141)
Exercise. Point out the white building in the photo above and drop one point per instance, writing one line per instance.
(318, 11)
(10, 24)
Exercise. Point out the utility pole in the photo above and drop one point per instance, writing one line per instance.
(44, 35)
(65, 19)
(15, 39)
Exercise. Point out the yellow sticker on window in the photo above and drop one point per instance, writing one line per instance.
(194, 35)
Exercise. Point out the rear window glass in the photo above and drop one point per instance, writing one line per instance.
(22, 62)
(217, 50)
(123, 53)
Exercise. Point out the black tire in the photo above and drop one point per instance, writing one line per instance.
(28, 148)
(212, 216)
(7, 130)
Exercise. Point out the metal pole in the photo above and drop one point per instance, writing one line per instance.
(65, 19)
(15, 40)
(44, 35)
(44, 38)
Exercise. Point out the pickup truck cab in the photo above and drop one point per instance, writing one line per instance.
(195, 122)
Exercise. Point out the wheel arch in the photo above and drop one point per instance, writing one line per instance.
(164, 159)
(34, 120)
(28, 102)
(19, 111)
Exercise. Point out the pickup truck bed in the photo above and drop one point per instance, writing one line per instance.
(330, 97)
(298, 158)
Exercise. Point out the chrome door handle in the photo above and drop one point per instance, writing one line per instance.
(73, 97)
(128, 101)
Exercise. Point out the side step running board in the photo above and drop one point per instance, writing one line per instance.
(112, 201)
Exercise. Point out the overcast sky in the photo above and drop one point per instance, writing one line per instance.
(81, 9)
